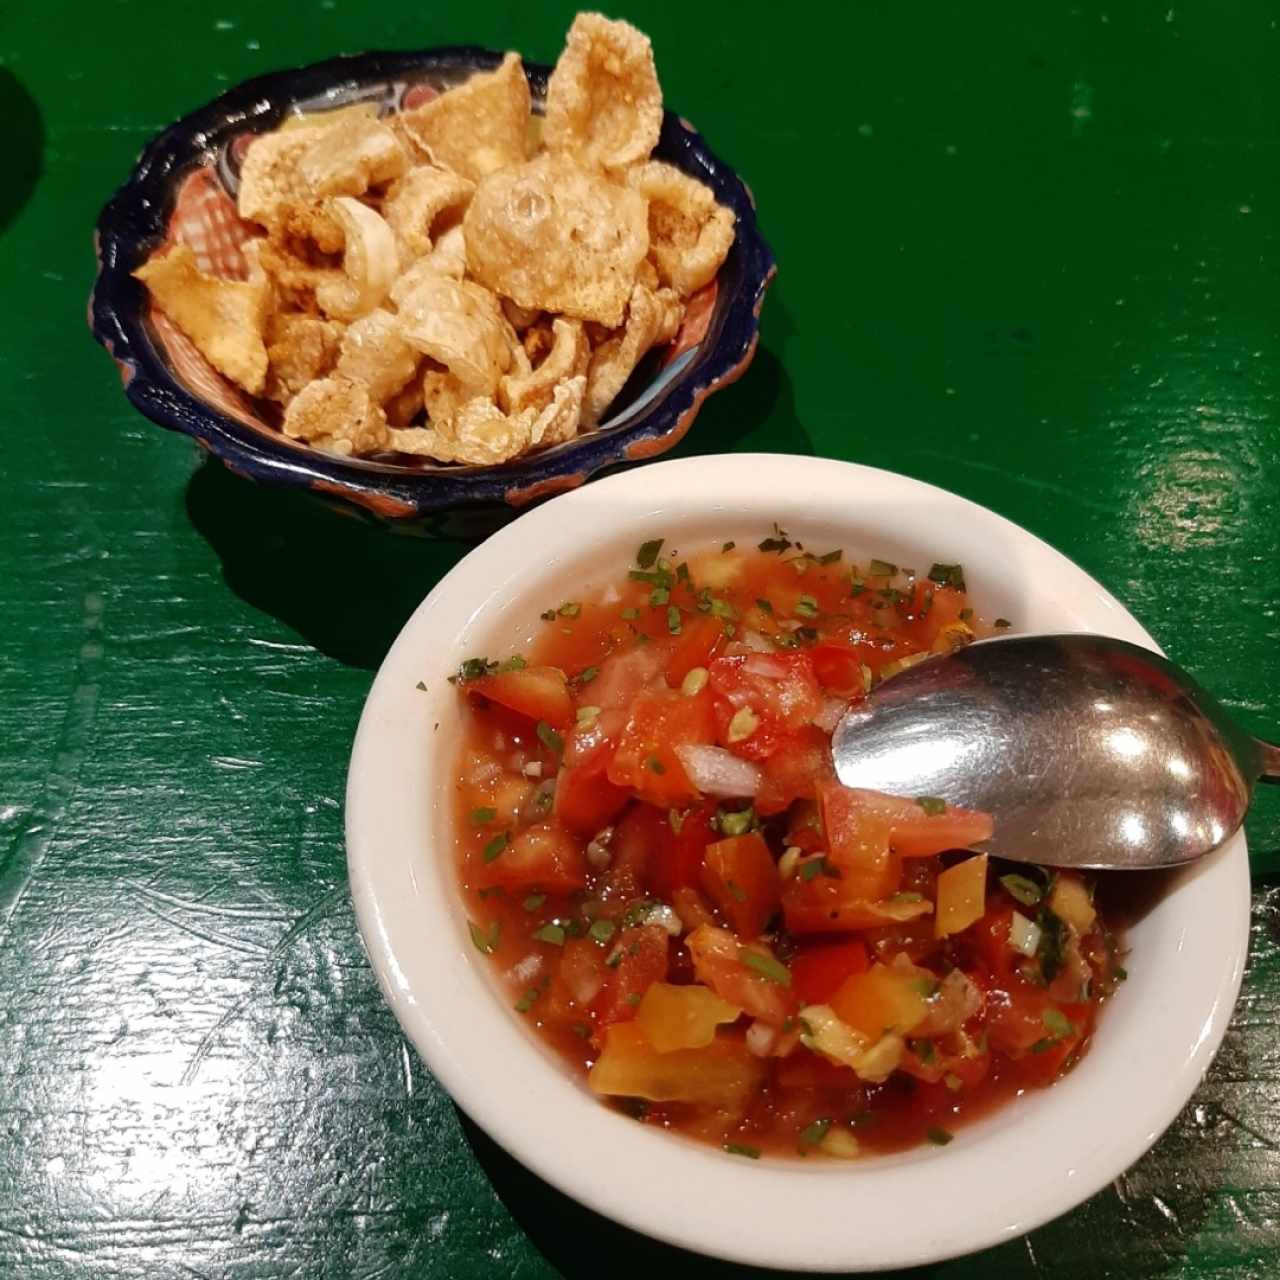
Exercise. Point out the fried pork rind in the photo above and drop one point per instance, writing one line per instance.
(460, 325)
(567, 359)
(338, 415)
(225, 319)
(370, 261)
(375, 352)
(552, 237)
(404, 406)
(480, 434)
(300, 348)
(274, 194)
(690, 235)
(561, 417)
(652, 318)
(417, 202)
(350, 156)
(477, 128)
(604, 103)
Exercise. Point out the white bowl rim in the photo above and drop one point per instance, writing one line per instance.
(1002, 1176)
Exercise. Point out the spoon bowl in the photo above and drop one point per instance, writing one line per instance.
(1089, 751)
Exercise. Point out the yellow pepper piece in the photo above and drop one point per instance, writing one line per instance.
(881, 1001)
(725, 1072)
(682, 1017)
(962, 896)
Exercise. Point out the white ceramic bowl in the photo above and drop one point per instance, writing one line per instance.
(1025, 1164)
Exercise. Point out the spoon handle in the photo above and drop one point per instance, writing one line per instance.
(1270, 761)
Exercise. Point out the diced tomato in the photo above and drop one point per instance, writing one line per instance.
(740, 876)
(825, 904)
(819, 968)
(990, 938)
(646, 759)
(806, 1070)
(857, 843)
(624, 676)
(585, 799)
(638, 837)
(544, 856)
(913, 833)
(701, 637)
(932, 608)
(717, 960)
(838, 669)
(792, 771)
(677, 860)
(541, 693)
(778, 688)
(643, 952)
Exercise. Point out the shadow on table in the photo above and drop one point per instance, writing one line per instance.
(574, 1240)
(23, 149)
(345, 585)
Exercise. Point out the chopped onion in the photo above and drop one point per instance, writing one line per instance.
(527, 969)
(1024, 934)
(829, 715)
(611, 596)
(665, 918)
(754, 640)
(598, 851)
(761, 1038)
(765, 666)
(584, 984)
(717, 772)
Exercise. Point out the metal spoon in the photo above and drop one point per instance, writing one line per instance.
(1089, 751)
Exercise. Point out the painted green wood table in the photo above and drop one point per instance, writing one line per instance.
(1028, 252)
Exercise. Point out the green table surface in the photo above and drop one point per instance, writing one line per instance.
(1027, 252)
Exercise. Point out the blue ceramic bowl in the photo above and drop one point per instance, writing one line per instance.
(188, 174)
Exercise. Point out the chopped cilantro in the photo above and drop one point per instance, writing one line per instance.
(496, 845)
(722, 609)
(655, 765)
(659, 596)
(648, 553)
(766, 966)
(534, 901)
(486, 942)
(763, 605)
(948, 575)
(1023, 890)
(1057, 1023)
(550, 738)
(736, 823)
(481, 816)
(1002, 623)
(630, 614)
(552, 933)
(939, 1137)
(548, 615)
(634, 999)
(923, 1049)
(682, 572)
(932, 805)
(570, 609)
(966, 615)
(585, 676)
(740, 1149)
(581, 1030)
(728, 546)
(881, 569)
(673, 620)
(601, 931)
(421, 686)
(779, 542)
(527, 1001)
(807, 607)
(812, 1134)
(736, 891)
(831, 557)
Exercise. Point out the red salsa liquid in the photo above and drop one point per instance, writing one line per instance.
(684, 902)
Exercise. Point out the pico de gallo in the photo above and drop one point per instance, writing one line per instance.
(685, 902)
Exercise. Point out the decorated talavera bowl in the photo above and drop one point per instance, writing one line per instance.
(183, 188)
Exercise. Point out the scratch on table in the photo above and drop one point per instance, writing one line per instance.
(309, 917)
(22, 863)
(407, 1063)
(229, 911)
(1246, 1128)
(1031, 1253)
(243, 945)
(1045, 486)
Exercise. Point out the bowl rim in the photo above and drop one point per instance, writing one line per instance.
(995, 1181)
(136, 217)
